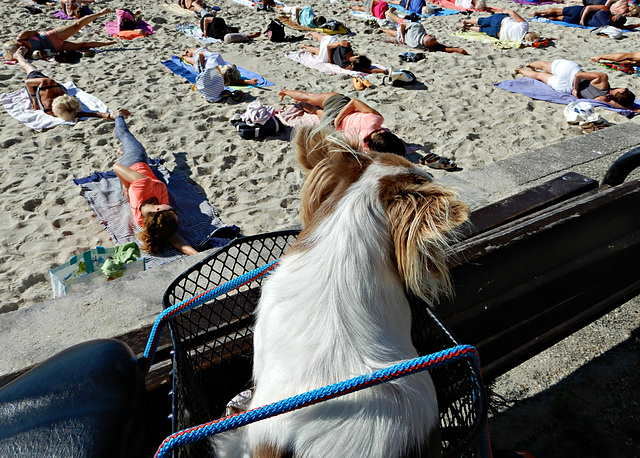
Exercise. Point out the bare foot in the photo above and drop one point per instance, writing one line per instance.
(120, 151)
(120, 112)
(531, 67)
(518, 71)
(593, 59)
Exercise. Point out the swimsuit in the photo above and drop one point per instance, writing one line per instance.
(35, 97)
(586, 90)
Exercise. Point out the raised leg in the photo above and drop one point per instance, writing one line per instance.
(68, 31)
(132, 150)
(311, 98)
(77, 45)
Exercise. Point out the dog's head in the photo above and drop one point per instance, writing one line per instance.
(421, 215)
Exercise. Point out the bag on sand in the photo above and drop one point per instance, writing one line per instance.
(399, 77)
(252, 132)
(275, 31)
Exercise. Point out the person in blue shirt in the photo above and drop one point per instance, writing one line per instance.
(303, 15)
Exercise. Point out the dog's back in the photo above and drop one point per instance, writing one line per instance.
(335, 307)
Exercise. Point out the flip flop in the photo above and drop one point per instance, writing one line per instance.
(236, 96)
(434, 161)
(357, 83)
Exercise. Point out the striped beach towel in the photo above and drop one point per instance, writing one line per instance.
(200, 224)
(177, 9)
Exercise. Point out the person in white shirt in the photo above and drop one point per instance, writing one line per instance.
(506, 26)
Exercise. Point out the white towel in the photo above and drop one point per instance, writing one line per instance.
(312, 61)
(18, 105)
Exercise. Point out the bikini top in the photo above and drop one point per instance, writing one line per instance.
(38, 100)
(587, 91)
(38, 43)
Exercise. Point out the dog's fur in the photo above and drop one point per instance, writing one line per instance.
(335, 307)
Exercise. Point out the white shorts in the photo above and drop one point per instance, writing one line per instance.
(564, 72)
(324, 55)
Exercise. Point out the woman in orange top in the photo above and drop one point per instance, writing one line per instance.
(146, 194)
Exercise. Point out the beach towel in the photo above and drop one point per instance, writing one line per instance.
(626, 68)
(142, 29)
(565, 24)
(186, 71)
(309, 60)
(286, 20)
(484, 38)
(294, 116)
(18, 105)
(177, 9)
(540, 91)
(200, 224)
(449, 5)
(193, 31)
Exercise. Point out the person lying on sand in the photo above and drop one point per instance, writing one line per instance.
(628, 58)
(340, 53)
(203, 59)
(506, 26)
(55, 40)
(75, 8)
(216, 27)
(591, 16)
(413, 34)
(565, 75)
(375, 8)
(146, 194)
(351, 116)
(303, 15)
(50, 96)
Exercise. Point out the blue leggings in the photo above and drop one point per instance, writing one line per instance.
(132, 150)
(491, 25)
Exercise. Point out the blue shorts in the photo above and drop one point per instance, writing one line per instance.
(491, 25)
(572, 14)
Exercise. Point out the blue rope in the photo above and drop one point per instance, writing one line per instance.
(405, 368)
(193, 302)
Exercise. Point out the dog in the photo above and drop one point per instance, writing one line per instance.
(374, 225)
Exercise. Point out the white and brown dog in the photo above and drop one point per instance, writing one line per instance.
(335, 307)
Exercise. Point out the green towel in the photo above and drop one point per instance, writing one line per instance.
(483, 37)
(125, 253)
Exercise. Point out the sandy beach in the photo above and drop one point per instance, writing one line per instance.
(455, 111)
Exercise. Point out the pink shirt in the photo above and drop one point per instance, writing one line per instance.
(360, 125)
(379, 9)
(143, 189)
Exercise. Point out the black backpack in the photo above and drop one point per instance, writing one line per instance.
(275, 31)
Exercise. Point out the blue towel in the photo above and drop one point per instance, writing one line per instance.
(541, 91)
(186, 71)
(200, 224)
(566, 24)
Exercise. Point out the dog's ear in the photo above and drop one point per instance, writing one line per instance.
(331, 165)
(422, 218)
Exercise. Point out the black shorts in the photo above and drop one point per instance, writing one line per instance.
(36, 74)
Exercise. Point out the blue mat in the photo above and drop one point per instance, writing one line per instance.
(186, 71)
(442, 12)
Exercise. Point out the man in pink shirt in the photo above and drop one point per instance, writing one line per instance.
(351, 116)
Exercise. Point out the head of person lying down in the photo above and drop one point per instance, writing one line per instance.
(65, 107)
(230, 74)
(157, 229)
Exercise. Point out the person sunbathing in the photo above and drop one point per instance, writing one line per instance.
(591, 16)
(216, 27)
(303, 15)
(51, 97)
(146, 194)
(203, 59)
(567, 76)
(375, 8)
(55, 40)
(413, 34)
(625, 58)
(506, 26)
(75, 8)
(351, 116)
(340, 53)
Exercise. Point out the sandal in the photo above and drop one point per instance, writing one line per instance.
(434, 161)
(357, 83)
(236, 96)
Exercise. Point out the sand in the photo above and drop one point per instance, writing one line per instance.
(456, 111)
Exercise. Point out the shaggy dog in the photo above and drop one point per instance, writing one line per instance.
(335, 307)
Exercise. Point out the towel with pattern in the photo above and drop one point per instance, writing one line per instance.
(177, 9)
(18, 105)
(200, 224)
(143, 28)
(541, 91)
(309, 60)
